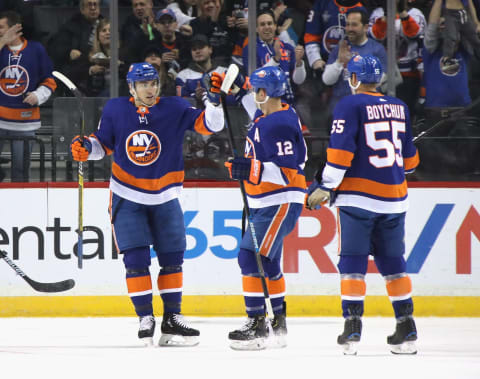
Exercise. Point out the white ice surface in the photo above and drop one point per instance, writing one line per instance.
(104, 348)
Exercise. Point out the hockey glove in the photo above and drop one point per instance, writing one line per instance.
(210, 82)
(81, 151)
(239, 88)
(319, 195)
(245, 169)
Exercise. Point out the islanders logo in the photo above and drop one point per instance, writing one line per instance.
(14, 80)
(143, 147)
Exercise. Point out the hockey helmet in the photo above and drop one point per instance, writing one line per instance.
(367, 68)
(270, 78)
(141, 72)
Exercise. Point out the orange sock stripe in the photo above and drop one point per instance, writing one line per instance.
(276, 287)
(170, 281)
(252, 285)
(353, 287)
(139, 284)
(399, 287)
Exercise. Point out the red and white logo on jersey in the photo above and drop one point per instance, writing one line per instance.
(14, 80)
(143, 147)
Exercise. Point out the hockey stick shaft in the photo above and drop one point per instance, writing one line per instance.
(40, 287)
(232, 72)
(73, 88)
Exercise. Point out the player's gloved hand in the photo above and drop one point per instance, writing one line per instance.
(318, 195)
(81, 151)
(240, 87)
(245, 169)
(211, 84)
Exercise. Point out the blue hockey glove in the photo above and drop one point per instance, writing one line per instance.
(319, 195)
(245, 169)
(80, 151)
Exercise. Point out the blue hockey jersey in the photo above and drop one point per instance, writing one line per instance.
(369, 152)
(22, 72)
(147, 145)
(277, 141)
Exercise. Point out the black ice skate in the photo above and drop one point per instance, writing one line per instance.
(403, 340)
(352, 330)
(175, 331)
(251, 336)
(146, 329)
(279, 326)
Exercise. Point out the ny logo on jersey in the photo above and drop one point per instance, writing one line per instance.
(143, 147)
(14, 80)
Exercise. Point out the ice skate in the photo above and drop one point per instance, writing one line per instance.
(403, 340)
(175, 331)
(146, 330)
(351, 335)
(251, 336)
(279, 326)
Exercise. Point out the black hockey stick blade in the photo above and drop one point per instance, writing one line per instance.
(64, 285)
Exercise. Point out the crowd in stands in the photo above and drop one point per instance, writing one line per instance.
(310, 40)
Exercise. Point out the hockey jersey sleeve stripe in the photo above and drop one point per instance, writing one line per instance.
(411, 163)
(49, 83)
(312, 38)
(20, 114)
(265, 187)
(139, 284)
(200, 125)
(339, 157)
(272, 231)
(154, 185)
(389, 191)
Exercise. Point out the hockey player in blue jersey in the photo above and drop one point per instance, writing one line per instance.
(145, 135)
(272, 170)
(369, 152)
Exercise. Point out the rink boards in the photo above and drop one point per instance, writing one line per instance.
(37, 229)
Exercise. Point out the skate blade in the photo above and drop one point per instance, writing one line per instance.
(350, 348)
(175, 340)
(255, 344)
(407, 348)
(147, 341)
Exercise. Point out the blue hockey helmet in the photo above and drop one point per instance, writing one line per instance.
(270, 78)
(367, 68)
(141, 72)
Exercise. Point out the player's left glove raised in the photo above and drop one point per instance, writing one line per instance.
(245, 169)
(80, 152)
(212, 83)
(318, 195)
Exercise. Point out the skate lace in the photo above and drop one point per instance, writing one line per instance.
(247, 325)
(179, 320)
(146, 322)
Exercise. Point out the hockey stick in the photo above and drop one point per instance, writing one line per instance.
(230, 76)
(449, 118)
(37, 286)
(73, 88)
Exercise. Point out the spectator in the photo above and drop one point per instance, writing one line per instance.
(215, 27)
(185, 11)
(410, 29)
(92, 73)
(324, 29)
(26, 82)
(461, 26)
(153, 55)
(175, 46)
(273, 52)
(355, 43)
(139, 23)
(75, 37)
